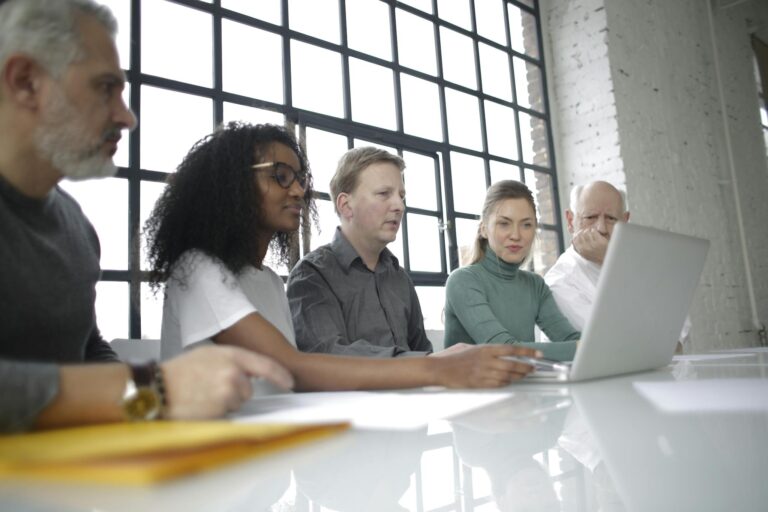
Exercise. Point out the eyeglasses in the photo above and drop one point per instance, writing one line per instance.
(283, 173)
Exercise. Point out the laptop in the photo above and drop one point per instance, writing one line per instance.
(644, 292)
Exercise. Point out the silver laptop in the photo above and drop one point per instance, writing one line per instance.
(643, 295)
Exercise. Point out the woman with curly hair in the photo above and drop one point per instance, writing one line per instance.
(239, 190)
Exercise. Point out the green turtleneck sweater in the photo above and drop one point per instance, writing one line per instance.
(493, 301)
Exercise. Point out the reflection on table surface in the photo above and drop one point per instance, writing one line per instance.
(693, 436)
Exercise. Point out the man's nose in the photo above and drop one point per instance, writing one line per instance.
(602, 225)
(125, 117)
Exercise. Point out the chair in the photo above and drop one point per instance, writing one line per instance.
(436, 337)
(136, 349)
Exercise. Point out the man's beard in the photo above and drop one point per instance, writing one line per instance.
(60, 139)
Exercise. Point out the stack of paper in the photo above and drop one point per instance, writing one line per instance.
(138, 453)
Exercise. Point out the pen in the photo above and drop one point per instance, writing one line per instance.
(540, 363)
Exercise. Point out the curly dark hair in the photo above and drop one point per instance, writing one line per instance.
(213, 204)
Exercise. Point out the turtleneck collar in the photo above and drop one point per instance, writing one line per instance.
(498, 267)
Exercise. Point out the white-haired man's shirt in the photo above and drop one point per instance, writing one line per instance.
(573, 281)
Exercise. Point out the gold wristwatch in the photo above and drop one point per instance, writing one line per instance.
(144, 396)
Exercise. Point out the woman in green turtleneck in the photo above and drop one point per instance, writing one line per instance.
(493, 300)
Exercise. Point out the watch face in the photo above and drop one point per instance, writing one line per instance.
(143, 405)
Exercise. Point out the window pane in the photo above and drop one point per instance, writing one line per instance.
(545, 251)
(151, 312)
(373, 95)
(424, 243)
(494, 66)
(501, 171)
(267, 10)
(423, 5)
(466, 231)
(360, 143)
(468, 180)
(162, 148)
(458, 58)
(105, 203)
(432, 301)
(112, 309)
(421, 108)
(420, 180)
(186, 56)
(239, 74)
(416, 43)
(490, 20)
(237, 112)
(323, 151)
(456, 12)
(463, 120)
(541, 185)
(316, 78)
(535, 143)
(528, 85)
(368, 28)
(150, 193)
(122, 11)
(327, 220)
(500, 129)
(319, 18)
(522, 31)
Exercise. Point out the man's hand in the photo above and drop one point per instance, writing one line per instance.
(482, 367)
(591, 245)
(208, 382)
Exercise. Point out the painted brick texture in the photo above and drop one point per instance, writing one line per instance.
(634, 93)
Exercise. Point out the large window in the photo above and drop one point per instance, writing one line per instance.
(761, 74)
(457, 87)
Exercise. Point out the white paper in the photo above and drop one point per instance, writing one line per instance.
(369, 410)
(714, 395)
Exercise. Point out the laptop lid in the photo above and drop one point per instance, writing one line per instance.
(644, 292)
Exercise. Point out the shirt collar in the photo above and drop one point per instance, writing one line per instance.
(346, 254)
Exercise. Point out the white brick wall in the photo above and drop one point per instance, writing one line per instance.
(635, 101)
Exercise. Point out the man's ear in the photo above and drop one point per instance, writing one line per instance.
(343, 206)
(569, 219)
(626, 216)
(22, 79)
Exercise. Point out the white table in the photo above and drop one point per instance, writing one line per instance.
(693, 436)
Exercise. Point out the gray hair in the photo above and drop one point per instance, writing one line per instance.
(576, 195)
(47, 30)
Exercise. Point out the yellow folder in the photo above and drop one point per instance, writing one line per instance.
(141, 453)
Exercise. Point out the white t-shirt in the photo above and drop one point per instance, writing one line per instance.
(212, 299)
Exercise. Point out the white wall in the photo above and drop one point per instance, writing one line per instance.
(636, 101)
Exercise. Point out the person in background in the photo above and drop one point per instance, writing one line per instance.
(61, 116)
(594, 211)
(351, 296)
(238, 191)
(493, 300)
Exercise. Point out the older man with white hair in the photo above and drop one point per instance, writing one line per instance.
(594, 211)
